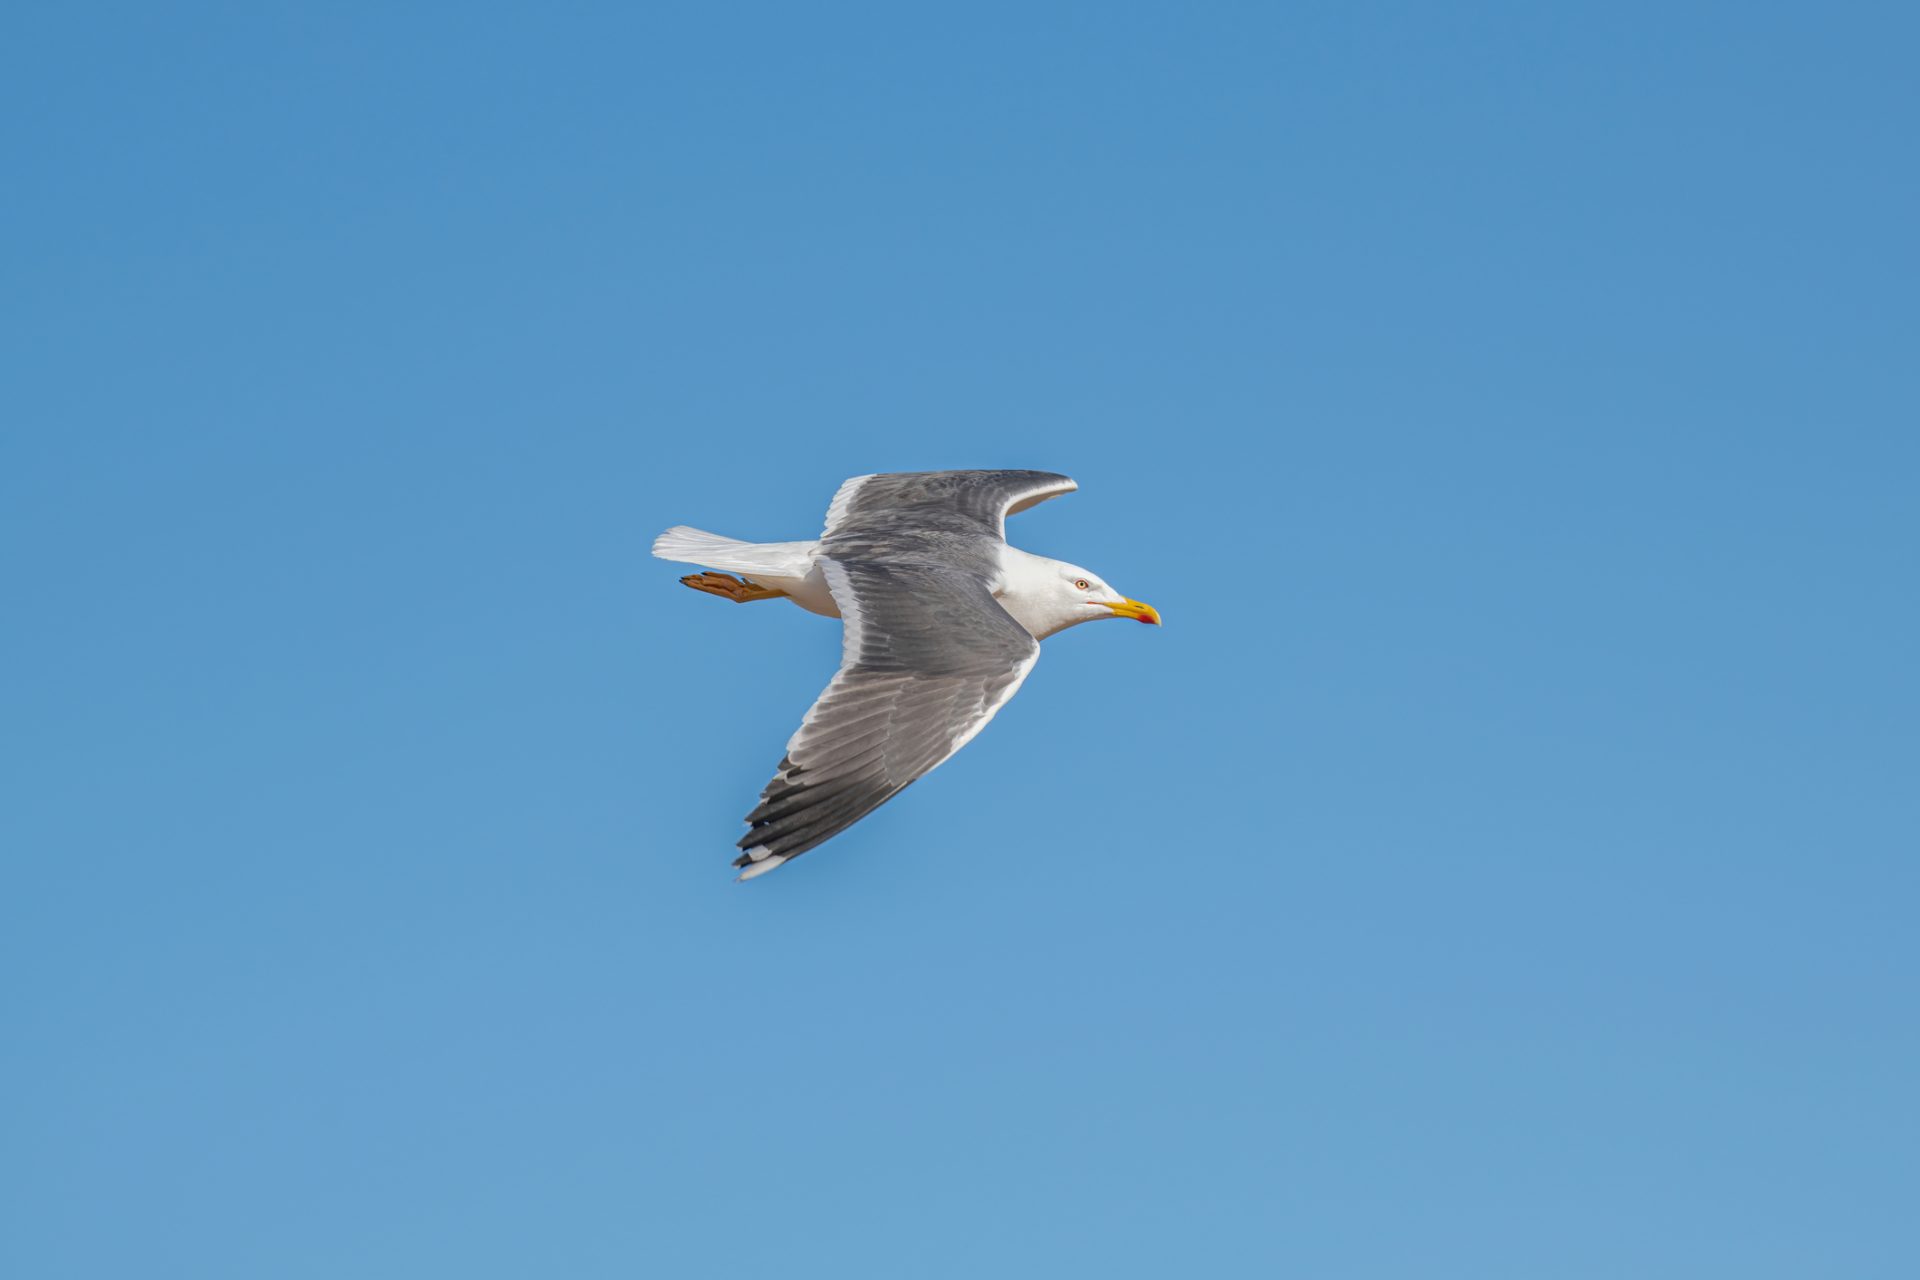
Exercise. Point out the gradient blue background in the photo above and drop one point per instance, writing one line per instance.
(1503, 864)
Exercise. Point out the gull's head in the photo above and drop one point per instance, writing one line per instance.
(1048, 596)
(1095, 599)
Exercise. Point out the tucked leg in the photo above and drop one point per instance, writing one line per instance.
(728, 587)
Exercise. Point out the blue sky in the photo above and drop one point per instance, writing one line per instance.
(1501, 864)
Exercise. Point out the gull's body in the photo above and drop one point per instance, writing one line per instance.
(942, 622)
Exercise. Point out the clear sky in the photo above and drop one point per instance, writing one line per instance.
(1502, 864)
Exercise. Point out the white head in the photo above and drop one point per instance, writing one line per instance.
(1046, 596)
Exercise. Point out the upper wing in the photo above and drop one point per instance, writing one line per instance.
(929, 657)
(970, 502)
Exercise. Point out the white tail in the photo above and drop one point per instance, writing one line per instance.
(767, 559)
(692, 546)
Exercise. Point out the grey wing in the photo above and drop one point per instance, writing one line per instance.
(929, 657)
(881, 510)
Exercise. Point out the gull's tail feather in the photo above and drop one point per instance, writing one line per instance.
(693, 546)
(764, 559)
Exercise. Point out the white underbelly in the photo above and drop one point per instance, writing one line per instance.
(810, 592)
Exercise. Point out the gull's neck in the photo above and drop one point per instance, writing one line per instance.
(1030, 590)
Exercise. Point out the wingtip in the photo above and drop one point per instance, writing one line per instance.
(757, 866)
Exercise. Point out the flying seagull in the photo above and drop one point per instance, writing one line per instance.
(943, 620)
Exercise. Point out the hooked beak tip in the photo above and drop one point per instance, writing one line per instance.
(1138, 611)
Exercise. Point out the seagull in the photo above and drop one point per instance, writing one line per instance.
(942, 620)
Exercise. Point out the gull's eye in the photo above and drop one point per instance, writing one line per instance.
(1083, 584)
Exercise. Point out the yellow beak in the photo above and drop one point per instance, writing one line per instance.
(1134, 609)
